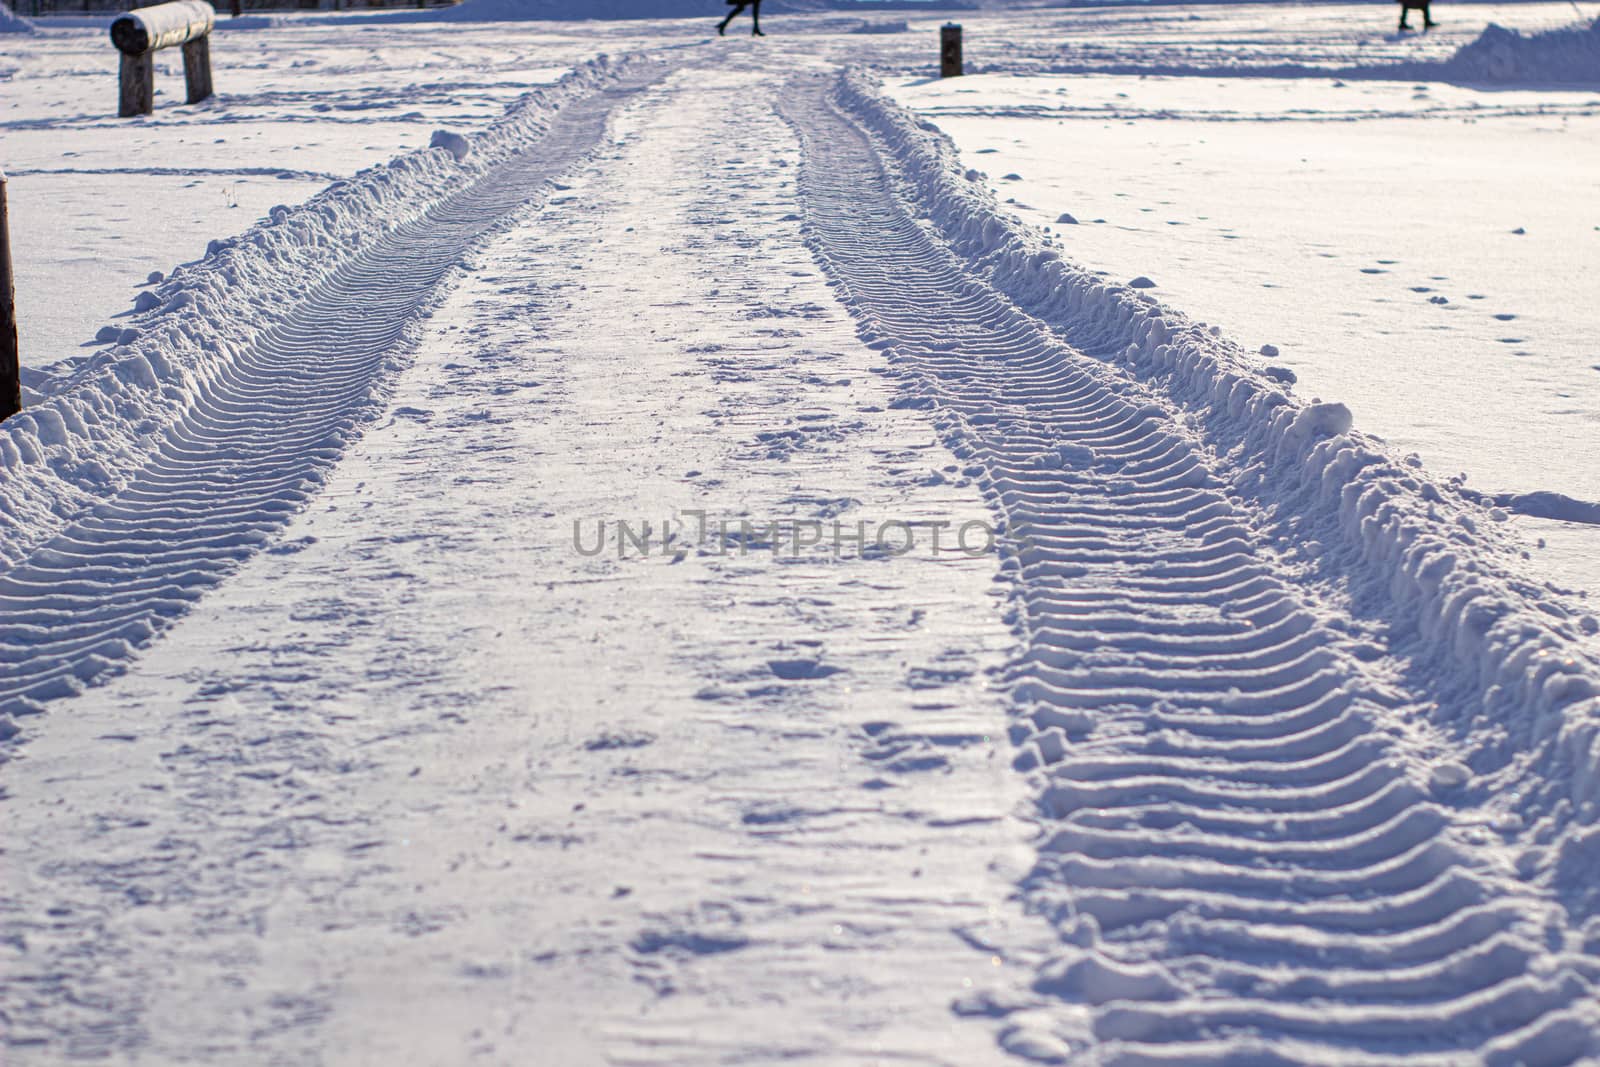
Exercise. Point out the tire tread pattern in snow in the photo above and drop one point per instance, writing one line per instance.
(1244, 863)
(257, 444)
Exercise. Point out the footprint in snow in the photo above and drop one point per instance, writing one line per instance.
(795, 670)
(611, 740)
(687, 942)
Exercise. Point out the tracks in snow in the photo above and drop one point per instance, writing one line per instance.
(1243, 851)
(258, 441)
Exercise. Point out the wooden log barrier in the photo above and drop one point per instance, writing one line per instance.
(10, 362)
(143, 32)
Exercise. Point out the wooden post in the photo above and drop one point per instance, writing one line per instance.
(950, 50)
(10, 362)
(197, 68)
(138, 95)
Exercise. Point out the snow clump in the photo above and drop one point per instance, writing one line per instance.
(1502, 55)
(454, 143)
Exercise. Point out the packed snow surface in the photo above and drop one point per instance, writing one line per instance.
(679, 565)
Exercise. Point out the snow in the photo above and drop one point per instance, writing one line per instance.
(518, 596)
(115, 403)
(1407, 275)
(458, 146)
(1551, 57)
(1136, 827)
(470, 11)
(734, 888)
(296, 108)
(11, 23)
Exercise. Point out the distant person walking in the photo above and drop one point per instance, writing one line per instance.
(738, 6)
(1408, 6)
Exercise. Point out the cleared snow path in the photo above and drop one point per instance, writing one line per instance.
(1242, 841)
(430, 779)
(423, 783)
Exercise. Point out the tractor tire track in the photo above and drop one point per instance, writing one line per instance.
(259, 440)
(1243, 848)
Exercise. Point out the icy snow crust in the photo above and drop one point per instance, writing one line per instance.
(1508, 717)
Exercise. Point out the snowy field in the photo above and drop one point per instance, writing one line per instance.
(722, 570)
(1426, 253)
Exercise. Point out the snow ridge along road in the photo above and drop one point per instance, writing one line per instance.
(249, 437)
(1280, 817)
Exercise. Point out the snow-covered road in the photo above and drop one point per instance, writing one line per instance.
(529, 738)
(487, 789)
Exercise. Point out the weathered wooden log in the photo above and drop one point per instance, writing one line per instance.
(146, 30)
(10, 360)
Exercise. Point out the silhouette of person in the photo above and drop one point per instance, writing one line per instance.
(738, 6)
(1407, 6)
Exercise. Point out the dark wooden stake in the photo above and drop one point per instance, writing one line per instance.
(10, 362)
(950, 50)
(138, 95)
(197, 68)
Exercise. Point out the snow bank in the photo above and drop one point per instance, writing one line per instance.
(11, 23)
(88, 423)
(564, 10)
(1500, 55)
(1376, 526)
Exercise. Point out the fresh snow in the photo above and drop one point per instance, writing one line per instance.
(514, 600)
